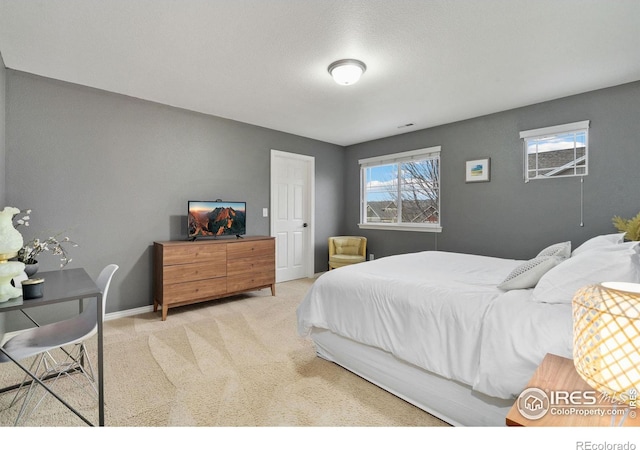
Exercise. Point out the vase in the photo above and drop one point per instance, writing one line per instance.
(10, 242)
(31, 269)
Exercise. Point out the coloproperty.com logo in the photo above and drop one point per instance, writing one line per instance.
(534, 403)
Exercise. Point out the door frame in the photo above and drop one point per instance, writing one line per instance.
(311, 195)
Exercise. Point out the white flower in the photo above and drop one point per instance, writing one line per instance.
(31, 249)
(24, 220)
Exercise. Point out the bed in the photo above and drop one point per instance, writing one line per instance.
(457, 335)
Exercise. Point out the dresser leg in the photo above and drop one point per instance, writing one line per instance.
(273, 290)
(165, 310)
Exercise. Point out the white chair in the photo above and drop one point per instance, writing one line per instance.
(39, 341)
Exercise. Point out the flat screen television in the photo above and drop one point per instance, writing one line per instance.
(216, 218)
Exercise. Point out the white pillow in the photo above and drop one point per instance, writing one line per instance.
(527, 274)
(599, 241)
(613, 262)
(562, 249)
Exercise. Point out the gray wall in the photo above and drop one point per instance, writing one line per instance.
(116, 172)
(507, 217)
(3, 91)
(3, 84)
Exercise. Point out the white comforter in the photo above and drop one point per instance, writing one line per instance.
(442, 311)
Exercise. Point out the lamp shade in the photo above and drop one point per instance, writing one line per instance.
(347, 71)
(606, 338)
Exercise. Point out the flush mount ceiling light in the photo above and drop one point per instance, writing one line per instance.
(347, 71)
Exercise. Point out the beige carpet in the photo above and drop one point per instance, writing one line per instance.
(231, 363)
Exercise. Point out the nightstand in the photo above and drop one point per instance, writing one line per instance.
(557, 396)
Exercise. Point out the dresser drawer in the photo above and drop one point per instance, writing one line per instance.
(250, 249)
(180, 273)
(194, 290)
(248, 281)
(194, 253)
(259, 263)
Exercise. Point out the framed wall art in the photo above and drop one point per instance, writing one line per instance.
(478, 170)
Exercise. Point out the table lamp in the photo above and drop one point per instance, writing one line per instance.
(606, 339)
(10, 242)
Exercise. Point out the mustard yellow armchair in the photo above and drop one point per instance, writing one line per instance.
(345, 250)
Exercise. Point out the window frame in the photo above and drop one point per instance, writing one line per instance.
(399, 158)
(540, 134)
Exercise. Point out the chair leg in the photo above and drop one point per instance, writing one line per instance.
(26, 383)
(42, 369)
(50, 370)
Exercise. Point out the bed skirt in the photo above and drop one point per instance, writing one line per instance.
(450, 401)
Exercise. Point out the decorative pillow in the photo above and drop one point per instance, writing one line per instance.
(527, 274)
(599, 241)
(562, 249)
(613, 262)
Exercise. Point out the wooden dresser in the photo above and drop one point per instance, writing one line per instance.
(187, 272)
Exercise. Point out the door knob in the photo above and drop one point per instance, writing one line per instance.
(305, 225)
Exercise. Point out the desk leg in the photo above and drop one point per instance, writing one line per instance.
(100, 299)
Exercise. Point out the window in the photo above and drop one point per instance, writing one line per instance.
(401, 191)
(559, 151)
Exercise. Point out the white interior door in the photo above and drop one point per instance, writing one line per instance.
(292, 206)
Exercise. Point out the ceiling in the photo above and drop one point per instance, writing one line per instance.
(264, 62)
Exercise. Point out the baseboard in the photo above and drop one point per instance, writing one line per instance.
(107, 317)
(116, 315)
(128, 312)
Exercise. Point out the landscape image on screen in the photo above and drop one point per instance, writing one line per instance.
(216, 218)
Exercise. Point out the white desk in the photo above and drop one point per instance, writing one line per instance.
(63, 286)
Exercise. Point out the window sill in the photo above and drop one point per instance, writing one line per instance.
(400, 227)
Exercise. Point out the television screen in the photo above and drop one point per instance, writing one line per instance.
(216, 218)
